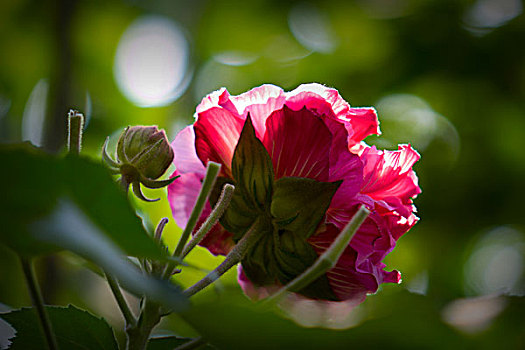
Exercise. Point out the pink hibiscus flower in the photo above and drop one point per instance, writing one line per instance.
(317, 175)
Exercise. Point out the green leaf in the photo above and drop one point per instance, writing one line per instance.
(96, 193)
(170, 343)
(397, 321)
(34, 181)
(31, 180)
(74, 329)
(252, 171)
(72, 203)
(77, 233)
(299, 204)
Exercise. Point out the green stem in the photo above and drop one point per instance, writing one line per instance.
(74, 132)
(209, 180)
(138, 335)
(121, 301)
(38, 302)
(327, 260)
(232, 259)
(218, 211)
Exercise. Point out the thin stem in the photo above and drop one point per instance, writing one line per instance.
(121, 301)
(327, 260)
(192, 344)
(209, 180)
(75, 128)
(38, 302)
(216, 214)
(232, 259)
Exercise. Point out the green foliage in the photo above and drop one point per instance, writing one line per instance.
(75, 329)
(393, 320)
(37, 181)
(78, 207)
(170, 343)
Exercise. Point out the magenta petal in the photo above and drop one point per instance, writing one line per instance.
(372, 241)
(360, 122)
(345, 166)
(186, 160)
(217, 132)
(346, 281)
(260, 102)
(388, 176)
(218, 241)
(219, 98)
(298, 143)
(182, 195)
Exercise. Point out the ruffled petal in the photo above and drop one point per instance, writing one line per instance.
(217, 132)
(359, 122)
(260, 102)
(344, 165)
(389, 179)
(298, 143)
(218, 98)
(346, 281)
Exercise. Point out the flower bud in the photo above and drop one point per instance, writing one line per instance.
(143, 155)
(147, 149)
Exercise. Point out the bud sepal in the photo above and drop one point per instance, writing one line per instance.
(143, 155)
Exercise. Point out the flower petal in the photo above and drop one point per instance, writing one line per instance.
(346, 281)
(359, 122)
(260, 102)
(298, 143)
(217, 132)
(186, 160)
(182, 196)
(389, 179)
(344, 165)
(218, 241)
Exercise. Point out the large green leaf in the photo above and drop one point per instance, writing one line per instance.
(75, 231)
(398, 321)
(33, 181)
(95, 192)
(172, 342)
(75, 329)
(73, 203)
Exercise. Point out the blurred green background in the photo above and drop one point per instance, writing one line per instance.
(447, 76)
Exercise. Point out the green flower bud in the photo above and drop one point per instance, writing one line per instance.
(143, 155)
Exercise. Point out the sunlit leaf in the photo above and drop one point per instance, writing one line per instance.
(74, 329)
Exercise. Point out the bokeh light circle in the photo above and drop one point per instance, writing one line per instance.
(151, 63)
